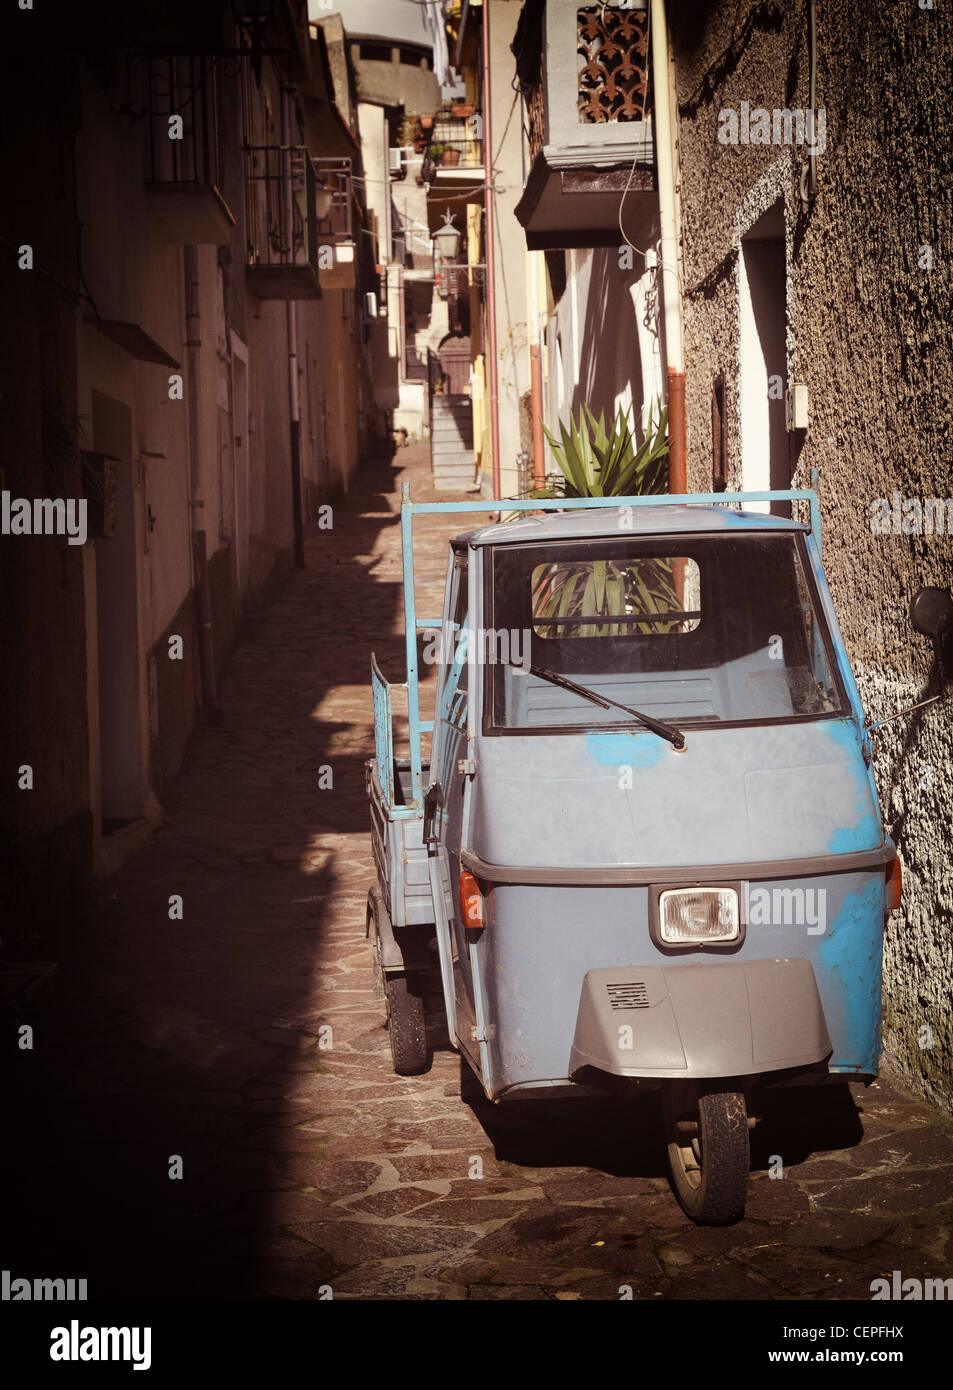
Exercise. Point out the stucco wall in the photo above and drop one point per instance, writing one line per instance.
(512, 330)
(867, 330)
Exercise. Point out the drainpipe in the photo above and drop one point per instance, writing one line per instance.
(203, 590)
(669, 216)
(489, 197)
(533, 259)
(291, 320)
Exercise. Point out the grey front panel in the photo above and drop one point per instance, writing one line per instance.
(542, 941)
(700, 1019)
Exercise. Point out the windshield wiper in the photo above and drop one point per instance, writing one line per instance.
(675, 738)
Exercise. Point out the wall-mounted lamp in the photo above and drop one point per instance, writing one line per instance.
(322, 201)
(446, 239)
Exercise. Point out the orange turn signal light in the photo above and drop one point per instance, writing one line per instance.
(471, 902)
(893, 885)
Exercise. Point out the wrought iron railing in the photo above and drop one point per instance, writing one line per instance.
(334, 176)
(280, 206)
(184, 151)
(455, 137)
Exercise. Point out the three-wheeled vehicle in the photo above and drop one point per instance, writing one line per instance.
(647, 839)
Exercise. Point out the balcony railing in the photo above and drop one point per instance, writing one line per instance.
(454, 149)
(337, 253)
(278, 27)
(282, 257)
(184, 177)
(334, 175)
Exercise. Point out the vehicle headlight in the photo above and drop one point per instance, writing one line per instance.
(689, 915)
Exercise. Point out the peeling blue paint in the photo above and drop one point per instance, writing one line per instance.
(625, 750)
(850, 957)
(867, 831)
(843, 732)
(866, 834)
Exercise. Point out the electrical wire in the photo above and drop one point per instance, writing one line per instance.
(635, 157)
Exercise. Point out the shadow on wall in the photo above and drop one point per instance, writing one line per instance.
(612, 370)
(169, 1037)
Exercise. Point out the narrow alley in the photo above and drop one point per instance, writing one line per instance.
(210, 1109)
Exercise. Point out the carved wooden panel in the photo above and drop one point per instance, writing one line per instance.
(613, 47)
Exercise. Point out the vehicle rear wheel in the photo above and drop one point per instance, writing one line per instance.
(708, 1151)
(406, 1026)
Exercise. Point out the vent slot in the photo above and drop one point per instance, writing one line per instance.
(629, 996)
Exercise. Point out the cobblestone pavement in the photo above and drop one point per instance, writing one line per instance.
(305, 1166)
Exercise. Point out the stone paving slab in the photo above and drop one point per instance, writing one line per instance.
(307, 1164)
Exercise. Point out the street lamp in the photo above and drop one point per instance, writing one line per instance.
(446, 239)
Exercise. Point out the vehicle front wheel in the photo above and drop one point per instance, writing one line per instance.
(708, 1151)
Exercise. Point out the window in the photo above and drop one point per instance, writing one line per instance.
(451, 718)
(646, 596)
(700, 630)
(375, 52)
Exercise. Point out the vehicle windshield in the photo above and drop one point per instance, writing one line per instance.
(693, 630)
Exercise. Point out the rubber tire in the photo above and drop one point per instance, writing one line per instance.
(717, 1198)
(406, 1026)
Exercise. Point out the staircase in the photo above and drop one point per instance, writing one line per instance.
(451, 442)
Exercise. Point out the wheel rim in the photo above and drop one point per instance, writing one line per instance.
(708, 1151)
(683, 1110)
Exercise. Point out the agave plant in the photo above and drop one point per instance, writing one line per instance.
(594, 463)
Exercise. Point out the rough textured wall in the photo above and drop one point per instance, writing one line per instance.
(867, 325)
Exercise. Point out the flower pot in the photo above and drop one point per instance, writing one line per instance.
(450, 156)
(462, 112)
(425, 122)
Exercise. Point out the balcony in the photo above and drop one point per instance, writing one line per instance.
(183, 191)
(453, 152)
(337, 252)
(278, 27)
(282, 257)
(585, 154)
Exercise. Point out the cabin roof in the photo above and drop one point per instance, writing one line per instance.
(656, 520)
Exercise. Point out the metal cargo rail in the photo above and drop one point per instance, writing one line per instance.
(383, 714)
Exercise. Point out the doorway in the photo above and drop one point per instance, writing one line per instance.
(762, 376)
(240, 455)
(117, 624)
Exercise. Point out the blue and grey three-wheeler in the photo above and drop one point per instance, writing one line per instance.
(647, 839)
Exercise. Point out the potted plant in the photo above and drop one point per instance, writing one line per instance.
(425, 122)
(451, 155)
(462, 111)
(435, 153)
